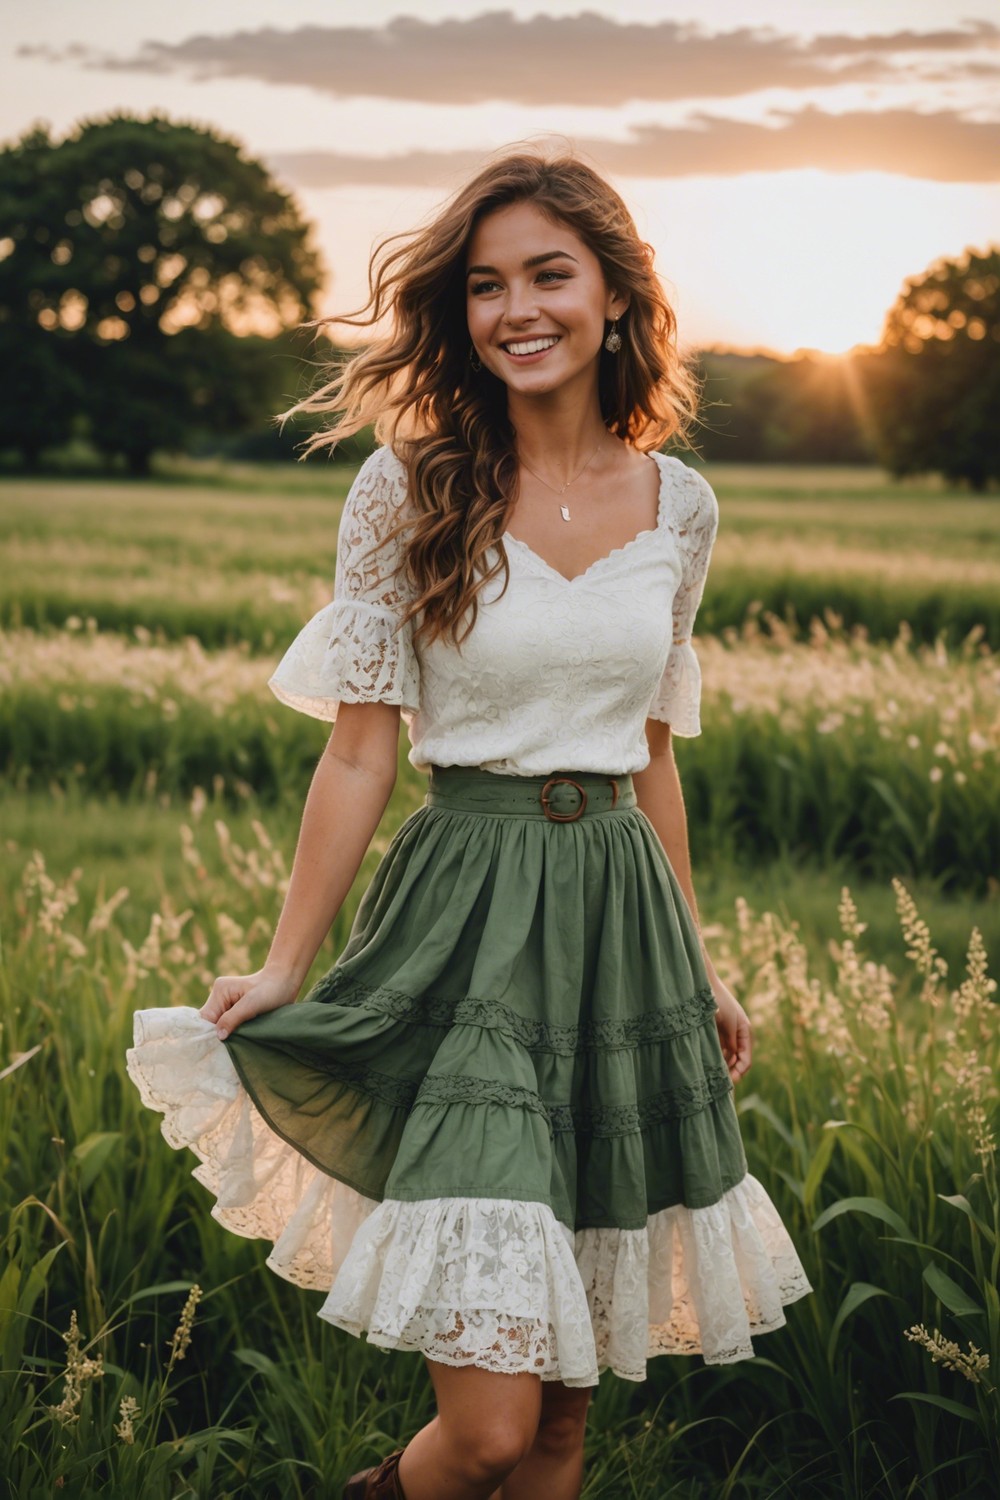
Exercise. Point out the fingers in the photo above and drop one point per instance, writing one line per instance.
(225, 992)
(235, 998)
(742, 1049)
(212, 1009)
(736, 1047)
(229, 1023)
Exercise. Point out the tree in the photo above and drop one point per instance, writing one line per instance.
(934, 386)
(800, 410)
(35, 357)
(146, 252)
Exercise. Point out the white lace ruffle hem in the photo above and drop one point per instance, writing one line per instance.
(349, 652)
(491, 1282)
(677, 700)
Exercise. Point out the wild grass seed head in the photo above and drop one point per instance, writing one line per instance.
(943, 1351)
(128, 1410)
(920, 950)
(182, 1333)
(80, 1369)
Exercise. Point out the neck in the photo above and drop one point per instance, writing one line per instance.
(556, 431)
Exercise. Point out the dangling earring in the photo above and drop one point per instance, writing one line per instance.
(474, 360)
(613, 342)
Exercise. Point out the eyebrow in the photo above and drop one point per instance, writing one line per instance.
(533, 260)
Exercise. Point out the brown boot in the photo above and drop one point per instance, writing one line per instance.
(379, 1483)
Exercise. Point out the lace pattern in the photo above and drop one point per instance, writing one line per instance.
(695, 523)
(497, 1283)
(264, 1188)
(355, 650)
(599, 1120)
(503, 1285)
(556, 672)
(347, 653)
(678, 697)
(540, 1036)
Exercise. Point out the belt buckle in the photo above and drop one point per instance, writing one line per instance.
(554, 817)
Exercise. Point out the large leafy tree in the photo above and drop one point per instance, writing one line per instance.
(934, 388)
(147, 261)
(42, 391)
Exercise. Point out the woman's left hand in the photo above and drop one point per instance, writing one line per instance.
(734, 1028)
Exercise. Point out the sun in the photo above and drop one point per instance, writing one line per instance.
(804, 260)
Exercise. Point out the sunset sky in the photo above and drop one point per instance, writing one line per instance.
(791, 163)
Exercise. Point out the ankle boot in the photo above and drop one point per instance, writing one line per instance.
(379, 1483)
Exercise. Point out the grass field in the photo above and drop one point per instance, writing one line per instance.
(844, 816)
(232, 556)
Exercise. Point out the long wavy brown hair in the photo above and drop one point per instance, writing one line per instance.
(449, 423)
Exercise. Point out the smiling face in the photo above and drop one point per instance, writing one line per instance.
(536, 300)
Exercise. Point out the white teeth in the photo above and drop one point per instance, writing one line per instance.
(531, 346)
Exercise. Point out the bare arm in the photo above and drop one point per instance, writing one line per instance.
(349, 793)
(350, 790)
(658, 790)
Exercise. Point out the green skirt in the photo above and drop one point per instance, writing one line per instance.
(500, 1129)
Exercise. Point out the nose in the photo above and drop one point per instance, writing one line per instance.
(522, 306)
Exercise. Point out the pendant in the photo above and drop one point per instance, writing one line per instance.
(564, 510)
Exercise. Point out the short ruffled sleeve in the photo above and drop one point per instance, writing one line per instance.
(694, 521)
(354, 650)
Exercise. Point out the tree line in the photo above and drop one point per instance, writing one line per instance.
(153, 280)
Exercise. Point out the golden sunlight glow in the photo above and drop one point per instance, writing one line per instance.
(785, 261)
(809, 259)
(779, 262)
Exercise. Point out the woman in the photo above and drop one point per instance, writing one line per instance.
(500, 1129)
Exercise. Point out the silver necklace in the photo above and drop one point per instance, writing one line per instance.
(564, 509)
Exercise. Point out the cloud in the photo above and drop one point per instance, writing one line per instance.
(942, 147)
(585, 60)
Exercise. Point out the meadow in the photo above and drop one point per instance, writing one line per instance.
(844, 820)
(211, 553)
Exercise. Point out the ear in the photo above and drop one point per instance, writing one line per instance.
(617, 304)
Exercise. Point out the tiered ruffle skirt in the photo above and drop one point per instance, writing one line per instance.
(500, 1129)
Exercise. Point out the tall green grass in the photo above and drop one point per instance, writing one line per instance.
(243, 560)
(869, 1113)
(149, 803)
(883, 760)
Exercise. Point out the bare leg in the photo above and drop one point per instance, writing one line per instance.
(553, 1466)
(485, 1425)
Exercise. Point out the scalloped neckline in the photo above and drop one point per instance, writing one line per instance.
(640, 536)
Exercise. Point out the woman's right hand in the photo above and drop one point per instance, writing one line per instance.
(233, 998)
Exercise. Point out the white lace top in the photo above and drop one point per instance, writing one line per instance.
(557, 675)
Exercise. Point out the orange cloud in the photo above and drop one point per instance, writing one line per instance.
(587, 60)
(940, 146)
